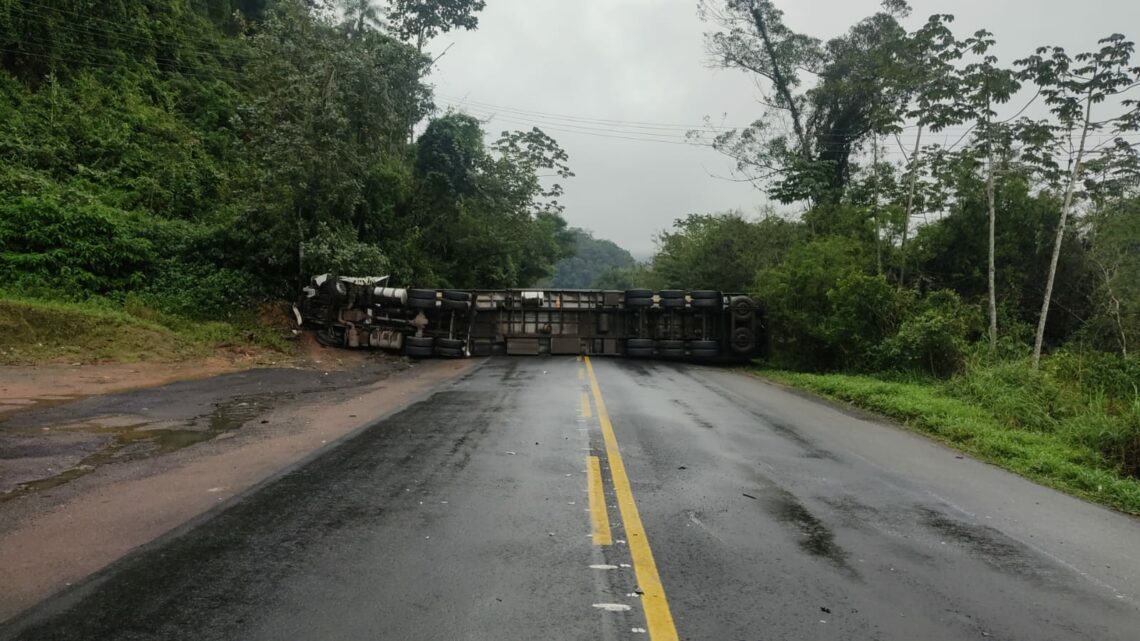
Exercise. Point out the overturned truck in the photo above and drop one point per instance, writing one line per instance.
(701, 325)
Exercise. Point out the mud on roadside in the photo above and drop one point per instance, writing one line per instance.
(59, 424)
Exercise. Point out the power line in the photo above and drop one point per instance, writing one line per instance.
(586, 119)
(603, 132)
(489, 114)
(675, 141)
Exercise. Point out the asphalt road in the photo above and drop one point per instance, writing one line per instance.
(724, 509)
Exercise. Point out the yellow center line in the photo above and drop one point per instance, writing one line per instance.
(586, 406)
(657, 616)
(599, 516)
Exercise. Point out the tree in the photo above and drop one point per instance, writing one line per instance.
(361, 15)
(421, 20)
(984, 85)
(720, 251)
(487, 217)
(1113, 232)
(852, 94)
(930, 75)
(1072, 86)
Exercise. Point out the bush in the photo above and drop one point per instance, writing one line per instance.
(933, 338)
(336, 249)
(864, 311)
(1096, 374)
(796, 296)
(72, 249)
(1090, 400)
(1018, 396)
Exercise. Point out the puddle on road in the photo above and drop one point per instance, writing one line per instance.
(134, 440)
(12, 406)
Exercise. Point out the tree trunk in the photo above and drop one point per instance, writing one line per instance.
(875, 211)
(783, 87)
(300, 249)
(909, 205)
(1074, 173)
(993, 226)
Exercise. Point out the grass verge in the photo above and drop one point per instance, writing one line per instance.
(36, 331)
(1046, 457)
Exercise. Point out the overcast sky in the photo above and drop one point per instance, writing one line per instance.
(617, 82)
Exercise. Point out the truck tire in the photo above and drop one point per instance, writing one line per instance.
(638, 343)
(705, 353)
(424, 294)
(451, 294)
(704, 294)
(638, 303)
(706, 303)
(419, 341)
(671, 293)
(743, 341)
(328, 339)
(421, 303)
(638, 293)
(639, 352)
(713, 345)
(672, 303)
(417, 352)
(450, 348)
(455, 305)
(742, 307)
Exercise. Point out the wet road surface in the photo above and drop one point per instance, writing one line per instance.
(560, 499)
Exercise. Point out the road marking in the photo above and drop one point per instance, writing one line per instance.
(586, 406)
(599, 517)
(658, 619)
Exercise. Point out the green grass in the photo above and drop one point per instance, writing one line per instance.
(1061, 456)
(34, 331)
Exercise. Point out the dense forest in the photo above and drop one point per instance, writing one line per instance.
(198, 156)
(1023, 234)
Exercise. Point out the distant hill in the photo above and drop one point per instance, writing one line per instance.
(593, 256)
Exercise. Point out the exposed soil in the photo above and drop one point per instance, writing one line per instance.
(96, 460)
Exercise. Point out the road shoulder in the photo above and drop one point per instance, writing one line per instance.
(136, 503)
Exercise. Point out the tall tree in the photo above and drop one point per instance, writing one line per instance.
(361, 15)
(932, 81)
(419, 21)
(983, 86)
(1075, 88)
(801, 148)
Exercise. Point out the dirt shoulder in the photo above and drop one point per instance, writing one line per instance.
(87, 480)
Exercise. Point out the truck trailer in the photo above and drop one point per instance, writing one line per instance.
(699, 325)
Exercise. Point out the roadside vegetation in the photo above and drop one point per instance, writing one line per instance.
(34, 331)
(957, 240)
(197, 159)
(1073, 425)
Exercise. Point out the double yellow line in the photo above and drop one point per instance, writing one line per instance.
(658, 618)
